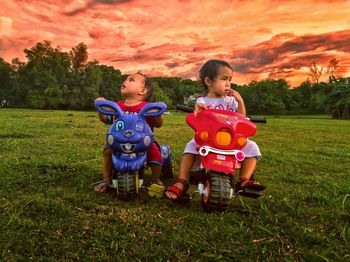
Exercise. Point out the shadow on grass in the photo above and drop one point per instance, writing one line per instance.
(16, 136)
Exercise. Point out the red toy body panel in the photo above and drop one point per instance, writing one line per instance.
(222, 163)
(224, 132)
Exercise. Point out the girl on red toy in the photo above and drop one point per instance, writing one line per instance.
(216, 78)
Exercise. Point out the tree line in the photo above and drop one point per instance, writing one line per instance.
(53, 79)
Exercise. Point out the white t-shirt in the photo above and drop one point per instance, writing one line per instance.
(227, 103)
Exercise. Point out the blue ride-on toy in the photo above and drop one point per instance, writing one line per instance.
(129, 138)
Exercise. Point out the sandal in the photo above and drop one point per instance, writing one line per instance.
(251, 188)
(102, 187)
(176, 190)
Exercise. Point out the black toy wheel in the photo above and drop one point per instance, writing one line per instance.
(167, 172)
(127, 186)
(217, 192)
(167, 166)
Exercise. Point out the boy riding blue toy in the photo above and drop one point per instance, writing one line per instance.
(129, 138)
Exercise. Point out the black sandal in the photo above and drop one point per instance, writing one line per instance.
(250, 189)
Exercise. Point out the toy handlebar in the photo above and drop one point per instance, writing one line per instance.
(187, 109)
(257, 119)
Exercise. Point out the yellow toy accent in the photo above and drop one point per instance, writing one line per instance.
(156, 191)
(223, 138)
(204, 135)
(242, 141)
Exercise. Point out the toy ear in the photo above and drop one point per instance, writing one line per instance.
(152, 110)
(107, 107)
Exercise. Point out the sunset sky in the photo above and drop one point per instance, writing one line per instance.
(261, 39)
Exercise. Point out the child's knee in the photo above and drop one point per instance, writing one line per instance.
(154, 164)
(189, 158)
(107, 153)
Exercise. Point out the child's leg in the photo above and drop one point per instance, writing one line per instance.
(106, 171)
(252, 152)
(245, 186)
(156, 172)
(247, 168)
(107, 165)
(186, 164)
(154, 158)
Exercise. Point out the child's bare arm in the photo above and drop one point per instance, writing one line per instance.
(241, 106)
(103, 118)
(158, 121)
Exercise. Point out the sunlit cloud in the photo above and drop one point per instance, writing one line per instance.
(280, 58)
(261, 39)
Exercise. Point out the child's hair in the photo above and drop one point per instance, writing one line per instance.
(211, 69)
(148, 86)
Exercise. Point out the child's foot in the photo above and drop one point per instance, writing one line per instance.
(158, 182)
(101, 187)
(177, 190)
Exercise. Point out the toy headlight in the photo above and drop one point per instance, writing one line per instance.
(241, 140)
(223, 137)
(204, 135)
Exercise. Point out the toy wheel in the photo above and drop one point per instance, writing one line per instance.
(167, 172)
(127, 186)
(217, 196)
(196, 176)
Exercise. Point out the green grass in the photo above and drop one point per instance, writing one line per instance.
(48, 210)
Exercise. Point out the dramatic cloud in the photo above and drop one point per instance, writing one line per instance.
(91, 4)
(262, 39)
(281, 57)
(305, 48)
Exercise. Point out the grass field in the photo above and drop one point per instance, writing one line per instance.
(49, 212)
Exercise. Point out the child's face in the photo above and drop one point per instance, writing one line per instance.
(133, 86)
(220, 86)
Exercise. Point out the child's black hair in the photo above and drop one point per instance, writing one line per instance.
(211, 69)
(148, 86)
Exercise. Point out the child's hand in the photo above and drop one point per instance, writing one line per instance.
(102, 117)
(100, 98)
(200, 107)
(241, 107)
(236, 95)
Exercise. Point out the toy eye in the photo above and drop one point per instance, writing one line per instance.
(119, 125)
(139, 126)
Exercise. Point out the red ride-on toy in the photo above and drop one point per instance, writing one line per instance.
(220, 136)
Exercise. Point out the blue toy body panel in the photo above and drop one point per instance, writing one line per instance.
(129, 162)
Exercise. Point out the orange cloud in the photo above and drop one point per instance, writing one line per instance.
(279, 59)
(262, 39)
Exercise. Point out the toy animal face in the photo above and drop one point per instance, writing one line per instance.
(129, 133)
